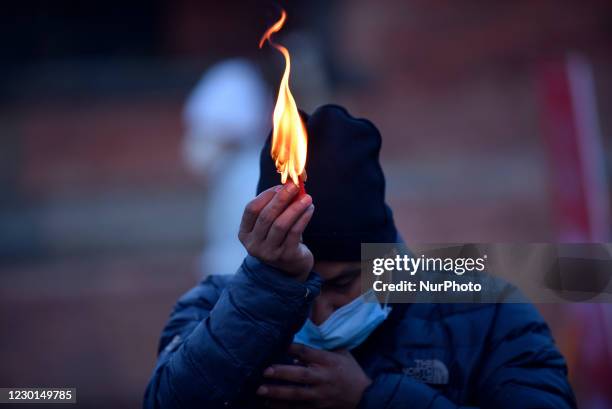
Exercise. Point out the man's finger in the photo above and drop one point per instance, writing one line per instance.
(283, 223)
(286, 392)
(310, 355)
(294, 237)
(254, 207)
(293, 373)
(275, 207)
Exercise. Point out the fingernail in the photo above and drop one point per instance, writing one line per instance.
(269, 371)
(278, 188)
(305, 199)
(262, 390)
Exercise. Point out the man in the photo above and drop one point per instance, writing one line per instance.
(241, 341)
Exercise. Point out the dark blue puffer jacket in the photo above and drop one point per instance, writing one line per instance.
(225, 331)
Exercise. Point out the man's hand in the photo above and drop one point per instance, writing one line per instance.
(329, 380)
(272, 226)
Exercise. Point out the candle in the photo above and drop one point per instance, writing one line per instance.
(302, 185)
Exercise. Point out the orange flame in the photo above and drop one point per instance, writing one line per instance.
(289, 139)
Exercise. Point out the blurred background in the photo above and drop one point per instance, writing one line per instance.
(496, 119)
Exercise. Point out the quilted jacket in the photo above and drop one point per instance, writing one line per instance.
(226, 330)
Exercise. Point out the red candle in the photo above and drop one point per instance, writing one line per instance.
(302, 186)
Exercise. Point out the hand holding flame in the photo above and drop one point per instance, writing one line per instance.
(272, 226)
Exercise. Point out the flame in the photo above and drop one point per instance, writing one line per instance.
(289, 138)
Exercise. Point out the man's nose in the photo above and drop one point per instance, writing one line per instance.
(322, 308)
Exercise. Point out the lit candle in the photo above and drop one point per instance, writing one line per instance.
(289, 137)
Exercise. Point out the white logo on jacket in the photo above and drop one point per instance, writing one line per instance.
(432, 371)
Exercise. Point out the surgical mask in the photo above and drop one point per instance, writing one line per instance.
(347, 327)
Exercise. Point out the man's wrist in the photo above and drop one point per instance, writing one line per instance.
(300, 286)
(300, 276)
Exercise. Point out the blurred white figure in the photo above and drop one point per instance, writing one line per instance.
(227, 117)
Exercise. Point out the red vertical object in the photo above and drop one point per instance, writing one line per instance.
(580, 203)
(302, 187)
(571, 134)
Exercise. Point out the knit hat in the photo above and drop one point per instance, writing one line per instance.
(345, 181)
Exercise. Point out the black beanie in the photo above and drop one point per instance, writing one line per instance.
(345, 181)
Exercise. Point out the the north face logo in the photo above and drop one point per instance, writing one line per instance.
(430, 371)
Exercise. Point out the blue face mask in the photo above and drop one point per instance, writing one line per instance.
(347, 327)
